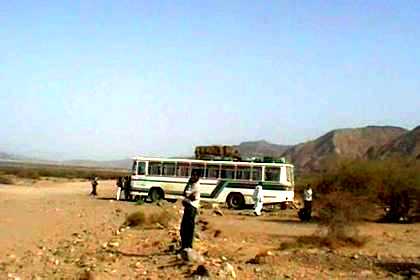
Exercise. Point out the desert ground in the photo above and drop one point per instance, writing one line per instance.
(52, 229)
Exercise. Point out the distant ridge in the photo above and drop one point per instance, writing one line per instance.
(352, 143)
(370, 142)
(6, 156)
(261, 148)
(407, 145)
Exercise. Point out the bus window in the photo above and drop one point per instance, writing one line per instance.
(212, 171)
(243, 173)
(198, 167)
(133, 168)
(141, 168)
(168, 169)
(155, 168)
(182, 169)
(228, 172)
(272, 174)
(257, 173)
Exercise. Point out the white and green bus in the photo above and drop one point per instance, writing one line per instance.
(231, 182)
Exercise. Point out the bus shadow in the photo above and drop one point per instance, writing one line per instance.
(408, 270)
(136, 255)
(289, 221)
(107, 198)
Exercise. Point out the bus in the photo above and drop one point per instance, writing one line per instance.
(230, 182)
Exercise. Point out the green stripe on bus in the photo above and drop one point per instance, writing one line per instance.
(222, 184)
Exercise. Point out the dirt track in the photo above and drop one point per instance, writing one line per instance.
(54, 230)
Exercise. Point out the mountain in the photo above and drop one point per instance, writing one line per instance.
(372, 142)
(261, 148)
(349, 143)
(120, 164)
(407, 145)
(6, 156)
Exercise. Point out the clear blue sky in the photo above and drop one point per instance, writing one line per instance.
(111, 79)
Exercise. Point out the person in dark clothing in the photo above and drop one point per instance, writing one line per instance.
(191, 204)
(307, 200)
(305, 214)
(94, 182)
(127, 188)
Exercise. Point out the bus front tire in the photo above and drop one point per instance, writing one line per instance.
(235, 201)
(155, 194)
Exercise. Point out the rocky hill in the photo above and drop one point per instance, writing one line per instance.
(350, 143)
(406, 145)
(261, 148)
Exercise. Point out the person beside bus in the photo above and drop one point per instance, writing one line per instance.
(120, 186)
(94, 182)
(307, 201)
(191, 204)
(127, 188)
(258, 199)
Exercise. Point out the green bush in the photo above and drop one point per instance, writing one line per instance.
(393, 183)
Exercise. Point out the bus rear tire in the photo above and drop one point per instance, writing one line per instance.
(235, 201)
(155, 194)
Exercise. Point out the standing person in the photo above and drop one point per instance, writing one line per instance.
(120, 185)
(94, 185)
(307, 201)
(127, 188)
(258, 199)
(191, 203)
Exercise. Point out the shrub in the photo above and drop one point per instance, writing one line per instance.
(135, 219)
(162, 217)
(5, 180)
(339, 214)
(393, 183)
(28, 174)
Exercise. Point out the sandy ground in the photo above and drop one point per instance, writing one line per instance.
(55, 230)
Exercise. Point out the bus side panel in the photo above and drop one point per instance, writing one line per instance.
(273, 193)
(172, 187)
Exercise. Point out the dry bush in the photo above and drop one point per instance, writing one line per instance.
(139, 218)
(28, 174)
(162, 217)
(135, 219)
(393, 183)
(339, 214)
(6, 180)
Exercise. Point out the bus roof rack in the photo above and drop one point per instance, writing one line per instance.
(265, 159)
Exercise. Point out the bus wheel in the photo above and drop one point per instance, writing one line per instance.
(155, 194)
(235, 201)
(283, 205)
